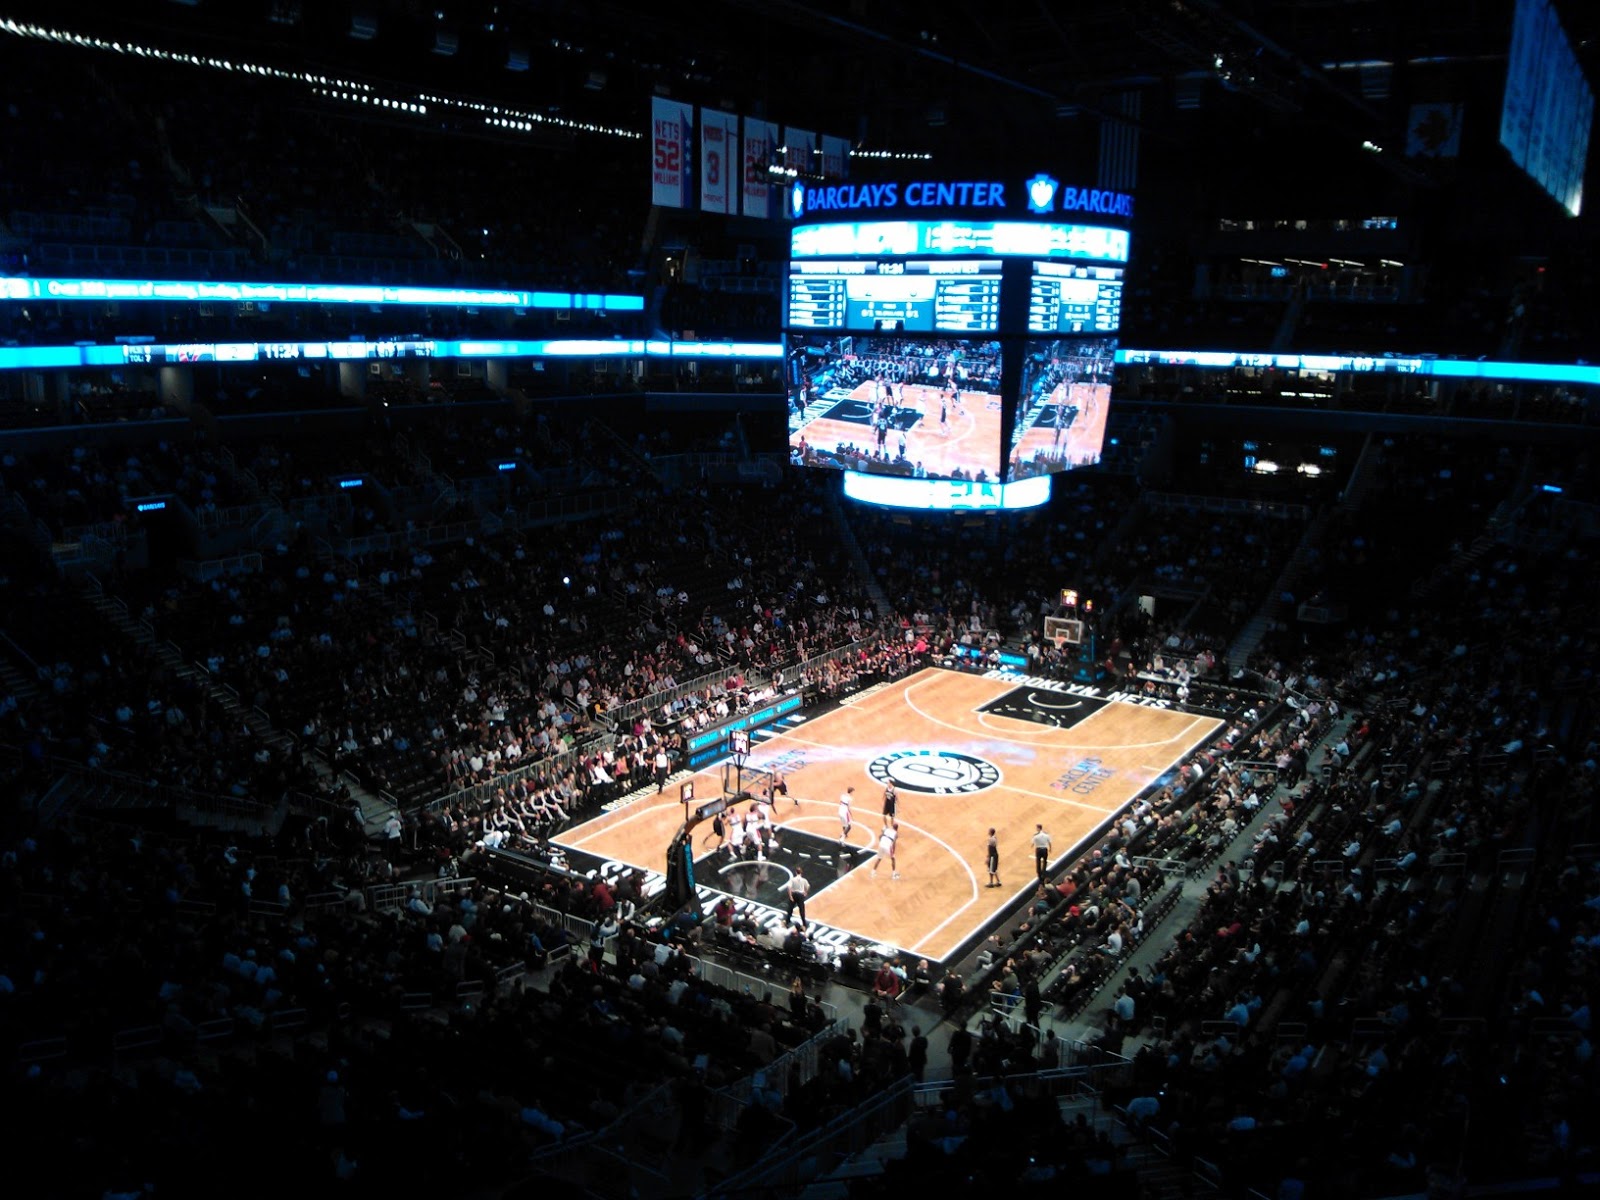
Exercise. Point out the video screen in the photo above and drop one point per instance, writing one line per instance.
(1547, 112)
(896, 296)
(919, 408)
(1074, 298)
(1062, 402)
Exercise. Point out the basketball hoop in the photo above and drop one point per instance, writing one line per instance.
(1063, 631)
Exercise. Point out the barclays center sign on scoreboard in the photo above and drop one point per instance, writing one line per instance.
(1039, 195)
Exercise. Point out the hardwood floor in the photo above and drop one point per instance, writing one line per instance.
(968, 752)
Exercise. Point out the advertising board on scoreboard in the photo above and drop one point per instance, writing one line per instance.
(1041, 194)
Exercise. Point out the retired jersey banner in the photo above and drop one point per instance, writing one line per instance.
(672, 131)
(719, 161)
(835, 157)
(760, 141)
(800, 150)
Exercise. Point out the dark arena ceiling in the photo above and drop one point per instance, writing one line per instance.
(968, 80)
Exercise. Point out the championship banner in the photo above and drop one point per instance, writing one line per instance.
(760, 140)
(1434, 131)
(801, 150)
(835, 157)
(672, 127)
(719, 159)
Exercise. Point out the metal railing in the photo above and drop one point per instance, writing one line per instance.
(793, 1162)
(799, 1066)
(556, 764)
(390, 897)
(164, 794)
(720, 975)
(1228, 504)
(214, 520)
(712, 681)
(204, 570)
(818, 661)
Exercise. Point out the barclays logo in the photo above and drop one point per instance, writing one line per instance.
(797, 199)
(1042, 193)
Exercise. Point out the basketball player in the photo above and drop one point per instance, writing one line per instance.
(886, 843)
(844, 815)
(993, 856)
(890, 799)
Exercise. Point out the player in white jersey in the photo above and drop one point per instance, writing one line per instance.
(886, 848)
(845, 798)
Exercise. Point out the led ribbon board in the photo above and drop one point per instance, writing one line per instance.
(1040, 239)
(193, 291)
(47, 358)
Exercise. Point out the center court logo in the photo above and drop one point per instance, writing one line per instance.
(939, 772)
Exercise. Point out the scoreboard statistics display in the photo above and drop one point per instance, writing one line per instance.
(1074, 298)
(891, 296)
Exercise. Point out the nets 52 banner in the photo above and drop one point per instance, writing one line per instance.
(719, 161)
(760, 141)
(671, 146)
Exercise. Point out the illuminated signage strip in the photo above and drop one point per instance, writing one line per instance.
(1437, 368)
(1040, 239)
(18, 288)
(894, 491)
(44, 358)
(1041, 195)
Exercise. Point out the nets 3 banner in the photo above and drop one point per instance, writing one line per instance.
(760, 142)
(719, 161)
(672, 134)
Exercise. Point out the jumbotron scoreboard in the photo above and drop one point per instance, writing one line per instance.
(949, 339)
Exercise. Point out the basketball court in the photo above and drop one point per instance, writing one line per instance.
(1068, 429)
(967, 440)
(966, 752)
